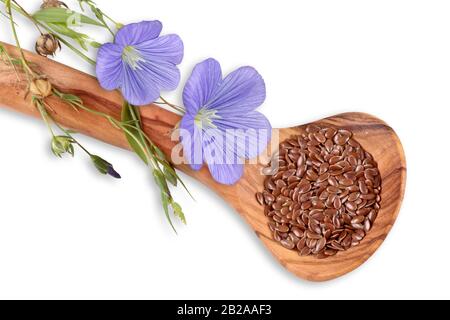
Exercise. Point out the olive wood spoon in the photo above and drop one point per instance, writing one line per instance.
(372, 133)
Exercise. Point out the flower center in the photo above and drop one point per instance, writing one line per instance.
(205, 119)
(132, 57)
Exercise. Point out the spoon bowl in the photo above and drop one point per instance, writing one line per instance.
(377, 138)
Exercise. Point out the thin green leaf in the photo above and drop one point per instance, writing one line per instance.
(184, 186)
(82, 44)
(68, 97)
(95, 44)
(170, 175)
(72, 98)
(161, 181)
(63, 16)
(163, 160)
(136, 116)
(133, 134)
(159, 153)
(6, 16)
(97, 12)
(165, 203)
(178, 212)
(165, 195)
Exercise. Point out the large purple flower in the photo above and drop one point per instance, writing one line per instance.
(221, 126)
(140, 63)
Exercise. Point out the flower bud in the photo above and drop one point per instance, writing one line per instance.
(47, 44)
(104, 167)
(41, 88)
(52, 4)
(62, 145)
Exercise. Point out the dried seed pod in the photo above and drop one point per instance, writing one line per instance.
(52, 4)
(41, 88)
(47, 45)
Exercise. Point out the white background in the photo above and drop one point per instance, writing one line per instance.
(67, 232)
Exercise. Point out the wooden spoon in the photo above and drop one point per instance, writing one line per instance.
(373, 134)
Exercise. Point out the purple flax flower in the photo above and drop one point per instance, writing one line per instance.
(140, 63)
(221, 126)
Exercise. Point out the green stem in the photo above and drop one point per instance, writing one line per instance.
(10, 60)
(113, 21)
(173, 106)
(95, 8)
(45, 116)
(48, 118)
(109, 29)
(136, 117)
(75, 50)
(28, 16)
(67, 133)
(27, 68)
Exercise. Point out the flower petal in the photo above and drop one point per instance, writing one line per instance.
(143, 85)
(252, 132)
(163, 75)
(109, 66)
(137, 88)
(167, 48)
(241, 91)
(222, 162)
(201, 85)
(135, 33)
(227, 174)
(191, 138)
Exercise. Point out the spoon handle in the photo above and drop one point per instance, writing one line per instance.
(158, 123)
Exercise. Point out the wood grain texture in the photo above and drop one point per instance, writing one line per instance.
(373, 134)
